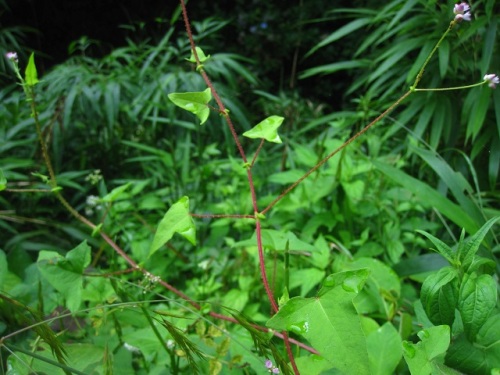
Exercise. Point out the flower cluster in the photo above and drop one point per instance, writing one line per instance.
(462, 12)
(92, 203)
(271, 368)
(492, 80)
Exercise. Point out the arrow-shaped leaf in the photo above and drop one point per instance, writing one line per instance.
(194, 102)
(330, 322)
(266, 129)
(201, 56)
(176, 220)
(65, 273)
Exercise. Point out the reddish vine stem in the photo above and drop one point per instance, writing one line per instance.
(336, 151)
(224, 112)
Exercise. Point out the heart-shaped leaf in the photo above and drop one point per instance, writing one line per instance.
(194, 102)
(266, 129)
(176, 220)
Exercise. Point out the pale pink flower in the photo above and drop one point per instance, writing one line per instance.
(462, 11)
(492, 80)
(12, 56)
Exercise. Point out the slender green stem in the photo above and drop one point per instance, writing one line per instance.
(422, 69)
(454, 88)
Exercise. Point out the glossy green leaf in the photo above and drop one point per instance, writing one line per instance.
(478, 298)
(266, 129)
(481, 356)
(384, 350)
(31, 75)
(194, 102)
(423, 356)
(65, 273)
(439, 295)
(330, 322)
(176, 220)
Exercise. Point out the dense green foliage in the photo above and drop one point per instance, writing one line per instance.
(165, 273)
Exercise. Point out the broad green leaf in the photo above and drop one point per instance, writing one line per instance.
(480, 357)
(478, 298)
(314, 364)
(31, 75)
(3, 181)
(306, 278)
(423, 356)
(471, 246)
(65, 273)
(382, 287)
(176, 220)
(266, 129)
(384, 350)
(116, 194)
(194, 102)
(441, 247)
(201, 56)
(330, 322)
(235, 299)
(439, 295)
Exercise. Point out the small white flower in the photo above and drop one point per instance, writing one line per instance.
(131, 348)
(170, 344)
(492, 80)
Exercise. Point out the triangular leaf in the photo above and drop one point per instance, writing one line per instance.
(266, 129)
(65, 273)
(201, 56)
(194, 102)
(330, 322)
(176, 220)
(31, 75)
